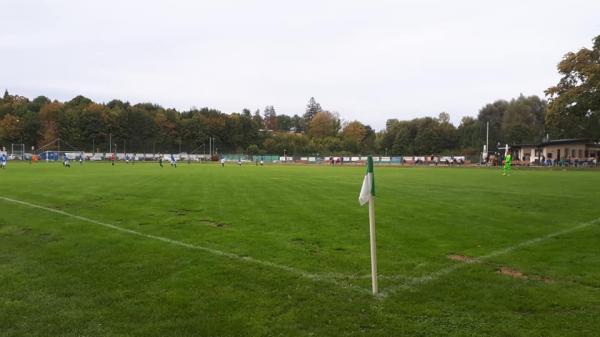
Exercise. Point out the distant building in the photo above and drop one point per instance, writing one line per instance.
(558, 149)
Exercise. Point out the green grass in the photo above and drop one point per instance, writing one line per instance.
(65, 276)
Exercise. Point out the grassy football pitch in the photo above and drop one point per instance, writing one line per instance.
(201, 250)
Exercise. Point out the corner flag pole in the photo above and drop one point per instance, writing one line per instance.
(373, 245)
(367, 194)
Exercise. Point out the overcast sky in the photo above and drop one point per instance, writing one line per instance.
(367, 60)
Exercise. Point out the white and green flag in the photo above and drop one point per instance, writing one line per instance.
(368, 186)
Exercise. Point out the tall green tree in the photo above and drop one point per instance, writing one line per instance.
(523, 120)
(312, 108)
(270, 118)
(574, 103)
(258, 120)
(471, 134)
(493, 113)
(284, 122)
(298, 123)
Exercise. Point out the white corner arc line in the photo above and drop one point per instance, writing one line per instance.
(292, 270)
(452, 268)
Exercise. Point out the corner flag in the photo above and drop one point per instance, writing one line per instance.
(367, 194)
(368, 186)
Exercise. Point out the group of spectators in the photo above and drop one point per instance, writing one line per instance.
(494, 160)
(436, 161)
(570, 162)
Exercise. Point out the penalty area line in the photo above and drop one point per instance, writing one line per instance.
(248, 259)
(452, 268)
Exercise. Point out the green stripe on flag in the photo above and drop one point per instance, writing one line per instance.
(370, 170)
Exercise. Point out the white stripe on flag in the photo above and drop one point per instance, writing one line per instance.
(365, 191)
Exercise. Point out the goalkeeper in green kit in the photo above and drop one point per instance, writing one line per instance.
(507, 164)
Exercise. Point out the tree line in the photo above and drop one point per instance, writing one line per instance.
(571, 110)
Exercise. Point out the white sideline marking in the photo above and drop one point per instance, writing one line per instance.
(292, 270)
(445, 271)
(327, 277)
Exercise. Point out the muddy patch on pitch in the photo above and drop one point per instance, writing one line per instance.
(511, 272)
(460, 258)
(517, 274)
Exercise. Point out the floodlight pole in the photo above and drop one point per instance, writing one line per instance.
(487, 136)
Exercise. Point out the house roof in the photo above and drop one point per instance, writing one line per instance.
(524, 145)
(586, 141)
(568, 141)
